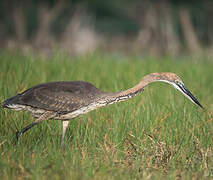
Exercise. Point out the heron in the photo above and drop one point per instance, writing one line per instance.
(65, 100)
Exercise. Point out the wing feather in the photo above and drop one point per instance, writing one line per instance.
(60, 96)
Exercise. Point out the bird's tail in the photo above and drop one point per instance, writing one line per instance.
(8, 103)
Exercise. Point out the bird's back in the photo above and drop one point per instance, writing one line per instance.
(60, 97)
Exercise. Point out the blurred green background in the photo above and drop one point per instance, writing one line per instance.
(165, 27)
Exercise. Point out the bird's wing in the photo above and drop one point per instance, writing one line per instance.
(60, 96)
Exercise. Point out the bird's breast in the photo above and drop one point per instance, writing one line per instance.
(82, 110)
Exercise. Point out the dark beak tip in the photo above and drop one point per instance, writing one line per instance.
(201, 106)
(186, 91)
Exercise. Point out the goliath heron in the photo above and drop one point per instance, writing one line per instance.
(66, 100)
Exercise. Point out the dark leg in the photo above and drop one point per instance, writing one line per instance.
(47, 115)
(19, 133)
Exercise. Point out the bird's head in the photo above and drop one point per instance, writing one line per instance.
(177, 83)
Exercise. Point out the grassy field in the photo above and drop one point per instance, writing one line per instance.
(158, 134)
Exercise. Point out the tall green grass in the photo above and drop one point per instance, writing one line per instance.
(158, 134)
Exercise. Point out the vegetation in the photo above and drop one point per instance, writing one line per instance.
(158, 134)
(164, 27)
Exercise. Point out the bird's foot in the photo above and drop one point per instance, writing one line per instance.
(18, 134)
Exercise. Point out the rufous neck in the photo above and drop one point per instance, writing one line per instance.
(140, 86)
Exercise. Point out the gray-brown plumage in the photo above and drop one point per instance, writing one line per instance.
(60, 97)
(67, 100)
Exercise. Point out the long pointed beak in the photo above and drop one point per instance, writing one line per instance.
(189, 95)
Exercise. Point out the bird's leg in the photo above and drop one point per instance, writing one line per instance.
(19, 133)
(65, 124)
(45, 116)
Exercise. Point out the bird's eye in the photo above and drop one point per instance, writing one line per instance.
(177, 82)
